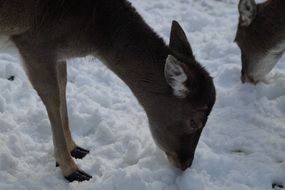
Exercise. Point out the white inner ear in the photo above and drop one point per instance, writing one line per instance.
(247, 10)
(175, 76)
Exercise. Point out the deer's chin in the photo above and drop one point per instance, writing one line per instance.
(247, 78)
(173, 159)
(257, 70)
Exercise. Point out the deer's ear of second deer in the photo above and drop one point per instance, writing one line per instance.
(260, 37)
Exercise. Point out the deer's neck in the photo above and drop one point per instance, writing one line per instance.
(137, 55)
(268, 29)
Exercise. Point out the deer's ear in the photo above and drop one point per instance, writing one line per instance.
(178, 40)
(176, 76)
(247, 11)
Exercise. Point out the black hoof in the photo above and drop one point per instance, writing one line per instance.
(79, 152)
(277, 186)
(79, 176)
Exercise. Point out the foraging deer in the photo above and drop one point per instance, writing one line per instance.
(176, 92)
(261, 37)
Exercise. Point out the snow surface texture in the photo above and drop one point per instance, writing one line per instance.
(241, 148)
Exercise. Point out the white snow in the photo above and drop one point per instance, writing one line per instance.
(241, 148)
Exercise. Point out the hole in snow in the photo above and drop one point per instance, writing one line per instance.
(11, 78)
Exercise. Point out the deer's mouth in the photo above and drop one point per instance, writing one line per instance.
(246, 78)
(182, 165)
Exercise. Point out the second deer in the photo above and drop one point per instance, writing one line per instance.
(261, 37)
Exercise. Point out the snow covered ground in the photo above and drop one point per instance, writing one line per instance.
(241, 148)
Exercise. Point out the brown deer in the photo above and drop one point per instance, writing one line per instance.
(261, 37)
(176, 92)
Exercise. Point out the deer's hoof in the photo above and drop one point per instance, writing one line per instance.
(79, 176)
(79, 152)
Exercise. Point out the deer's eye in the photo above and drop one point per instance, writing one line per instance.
(193, 124)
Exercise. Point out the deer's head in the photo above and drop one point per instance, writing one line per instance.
(260, 37)
(179, 117)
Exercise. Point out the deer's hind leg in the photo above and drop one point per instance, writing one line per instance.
(76, 151)
(42, 70)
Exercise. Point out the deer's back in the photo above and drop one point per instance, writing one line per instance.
(16, 15)
(80, 27)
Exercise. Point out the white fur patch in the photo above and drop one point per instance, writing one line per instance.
(7, 46)
(247, 11)
(279, 48)
(264, 66)
(175, 76)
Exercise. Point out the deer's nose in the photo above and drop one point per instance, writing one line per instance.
(247, 78)
(183, 165)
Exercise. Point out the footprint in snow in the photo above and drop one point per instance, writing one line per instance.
(276, 186)
(11, 78)
(240, 152)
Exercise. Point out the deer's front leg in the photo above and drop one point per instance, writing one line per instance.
(44, 79)
(76, 151)
(42, 70)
